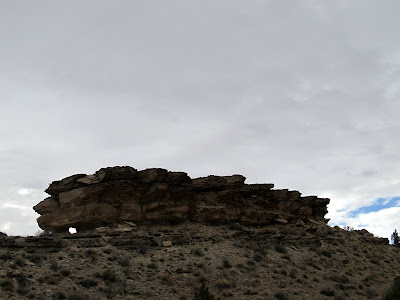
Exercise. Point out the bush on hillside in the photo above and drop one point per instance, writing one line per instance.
(348, 228)
(394, 292)
(395, 238)
(204, 294)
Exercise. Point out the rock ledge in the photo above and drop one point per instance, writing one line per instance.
(116, 195)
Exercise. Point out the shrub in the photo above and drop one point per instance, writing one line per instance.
(328, 292)
(7, 284)
(142, 248)
(204, 294)
(88, 283)
(223, 283)
(326, 252)
(127, 271)
(280, 248)
(107, 250)
(258, 257)
(76, 296)
(197, 252)
(22, 290)
(395, 238)
(348, 228)
(281, 296)
(22, 280)
(371, 294)
(59, 296)
(109, 275)
(226, 264)
(340, 278)
(124, 262)
(166, 278)
(293, 273)
(19, 262)
(5, 256)
(152, 266)
(54, 266)
(235, 226)
(65, 272)
(394, 291)
(35, 258)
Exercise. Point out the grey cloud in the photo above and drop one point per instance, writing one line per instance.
(304, 94)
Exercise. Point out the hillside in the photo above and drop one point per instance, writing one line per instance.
(303, 261)
(155, 234)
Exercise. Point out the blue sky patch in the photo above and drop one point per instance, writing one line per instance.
(379, 204)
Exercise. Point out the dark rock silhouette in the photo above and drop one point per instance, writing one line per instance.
(117, 195)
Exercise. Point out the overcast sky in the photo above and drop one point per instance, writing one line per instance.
(302, 94)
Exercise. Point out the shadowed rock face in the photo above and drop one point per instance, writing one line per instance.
(116, 195)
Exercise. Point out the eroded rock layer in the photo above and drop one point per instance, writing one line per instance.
(116, 195)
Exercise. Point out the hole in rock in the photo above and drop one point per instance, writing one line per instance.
(72, 230)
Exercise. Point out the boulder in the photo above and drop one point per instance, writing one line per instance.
(116, 173)
(217, 183)
(62, 219)
(80, 196)
(48, 205)
(153, 175)
(89, 179)
(166, 243)
(178, 178)
(65, 184)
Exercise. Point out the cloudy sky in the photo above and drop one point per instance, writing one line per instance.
(303, 94)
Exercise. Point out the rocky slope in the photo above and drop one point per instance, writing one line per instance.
(155, 234)
(292, 261)
(115, 195)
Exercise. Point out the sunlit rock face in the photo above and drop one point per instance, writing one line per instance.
(115, 195)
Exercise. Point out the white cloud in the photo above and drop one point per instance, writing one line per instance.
(25, 191)
(382, 223)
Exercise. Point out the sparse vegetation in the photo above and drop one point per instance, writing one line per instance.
(54, 266)
(395, 238)
(204, 294)
(281, 296)
(59, 296)
(5, 256)
(197, 252)
(109, 275)
(258, 265)
(65, 272)
(348, 228)
(77, 296)
(328, 292)
(7, 284)
(280, 248)
(394, 291)
(88, 283)
(223, 283)
(235, 226)
(226, 264)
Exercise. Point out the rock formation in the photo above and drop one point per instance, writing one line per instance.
(118, 195)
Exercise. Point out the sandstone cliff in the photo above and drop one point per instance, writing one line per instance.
(116, 195)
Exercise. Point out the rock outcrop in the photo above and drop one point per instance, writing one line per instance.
(117, 195)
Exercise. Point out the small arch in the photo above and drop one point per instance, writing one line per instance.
(72, 230)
